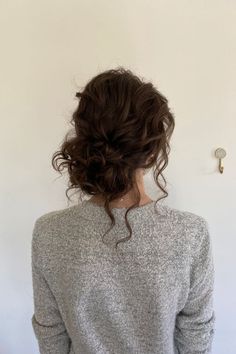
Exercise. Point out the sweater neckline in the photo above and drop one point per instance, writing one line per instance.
(120, 208)
(92, 211)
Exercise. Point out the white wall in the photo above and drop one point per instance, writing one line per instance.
(49, 49)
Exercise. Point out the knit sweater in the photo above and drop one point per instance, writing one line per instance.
(153, 295)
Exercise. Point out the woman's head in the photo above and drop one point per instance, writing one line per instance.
(121, 124)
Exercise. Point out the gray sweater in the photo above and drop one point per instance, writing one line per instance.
(154, 296)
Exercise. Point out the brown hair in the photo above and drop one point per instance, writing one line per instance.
(120, 122)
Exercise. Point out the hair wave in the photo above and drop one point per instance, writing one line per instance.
(121, 123)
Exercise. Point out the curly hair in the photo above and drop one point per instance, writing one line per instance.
(120, 122)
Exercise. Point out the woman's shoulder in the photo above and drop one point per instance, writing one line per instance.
(189, 225)
(53, 217)
(48, 229)
(192, 227)
(183, 216)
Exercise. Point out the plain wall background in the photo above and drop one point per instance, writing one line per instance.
(50, 48)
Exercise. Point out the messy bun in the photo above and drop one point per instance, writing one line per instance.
(120, 123)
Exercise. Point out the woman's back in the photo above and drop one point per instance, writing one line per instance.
(154, 295)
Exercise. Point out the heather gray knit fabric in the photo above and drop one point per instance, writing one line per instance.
(156, 296)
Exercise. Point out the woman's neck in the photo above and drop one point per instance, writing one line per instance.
(124, 202)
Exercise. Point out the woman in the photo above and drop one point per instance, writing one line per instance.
(119, 272)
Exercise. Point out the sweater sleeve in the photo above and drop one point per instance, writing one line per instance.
(46, 321)
(194, 327)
